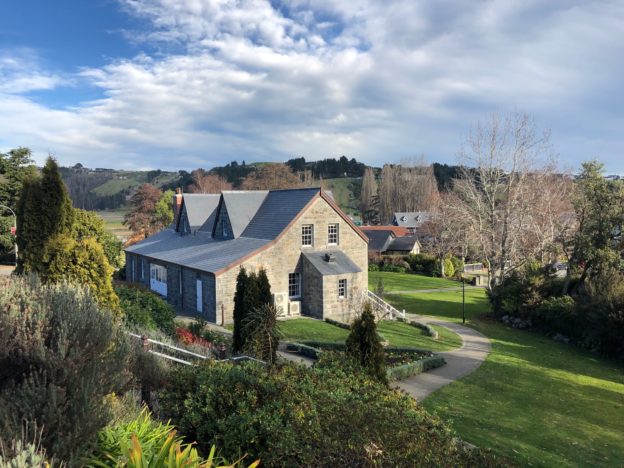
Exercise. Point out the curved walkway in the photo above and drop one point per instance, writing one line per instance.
(459, 362)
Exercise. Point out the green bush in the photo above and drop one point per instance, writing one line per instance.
(449, 268)
(414, 368)
(364, 344)
(458, 265)
(332, 414)
(373, 267)
(18, 454)
(60, 355)
(422, 263)
(145, 309)
(336, 323)
(428, 329)
(393, 268)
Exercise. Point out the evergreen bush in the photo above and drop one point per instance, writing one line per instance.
(145, 309)
(364, 344)
(60, 355)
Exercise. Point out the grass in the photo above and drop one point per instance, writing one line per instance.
(345, 192)
(404, 335)
(398, 334)
(408, 281)
(534, 400)
(113, 222)
(310, 329)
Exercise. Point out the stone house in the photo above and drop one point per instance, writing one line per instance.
(314, 256)
(411, 220)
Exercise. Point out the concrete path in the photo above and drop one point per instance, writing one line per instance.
(6, 270)
(459, 362)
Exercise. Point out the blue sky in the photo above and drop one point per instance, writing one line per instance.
(179, 84)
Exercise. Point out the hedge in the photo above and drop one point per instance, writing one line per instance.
(414, 368)
(428, 329)
(343, 325)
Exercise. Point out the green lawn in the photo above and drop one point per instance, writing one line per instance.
(534, 400)
(113, 222)
(310, 329)
(398, 334)
(408, 281)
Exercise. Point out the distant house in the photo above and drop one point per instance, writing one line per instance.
(315, 257)
(411, 220)
(386, 241)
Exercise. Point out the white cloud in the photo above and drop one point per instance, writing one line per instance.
(377, 81)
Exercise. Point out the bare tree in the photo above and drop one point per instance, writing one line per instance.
(497, 200)
(368, 194)
(205, 182)
(409, 186)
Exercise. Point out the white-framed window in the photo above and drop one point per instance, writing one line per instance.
(158, 279)
(307, 234)
(332, 233)
(294, 284)
(342, 288)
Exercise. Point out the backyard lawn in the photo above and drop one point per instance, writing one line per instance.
(398, 334)
(408, 281)
(534, 400)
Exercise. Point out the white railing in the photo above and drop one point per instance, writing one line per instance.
(168, 347)
(384, 309)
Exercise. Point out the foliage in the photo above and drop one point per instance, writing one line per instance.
(422, 263)
(7, 240)
(187, 337)
(416, 367)
(261, 333)
(206, 182)
(81, 262)
(271, 177)
(379, 289)
(88, 224)
(449, 268)
(151, 210)
(328, 168)
(252, 292)
(329, 415)
(44, 211)
(364, 345)
(145, 309)
(143, 442)
(373, 267)
(22, 455)
(239, 309)
(264, 288)
(390, 268)
(61, 355)
(15, 167)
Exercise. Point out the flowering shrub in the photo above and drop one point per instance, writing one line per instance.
(187, 337)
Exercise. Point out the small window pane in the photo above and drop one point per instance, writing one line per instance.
(342, 288)
(307, 234)
(294, 284)
(332, 233)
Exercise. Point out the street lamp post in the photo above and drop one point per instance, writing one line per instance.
(15, 226)
(463, 297)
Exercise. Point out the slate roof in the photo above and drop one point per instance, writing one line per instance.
(241, 207)
(411, 219)
(261, 215)
(199, 208)
(280, 207)
(378, 240)
(405, 243)
(340, 265)
(198, 251)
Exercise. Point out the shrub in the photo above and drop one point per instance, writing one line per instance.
(449, 268)
(145, 309)
(373, 267)
(336, 323)
(22, 455)
(422, 263)
(428, 329)
(393, 268)
(60, 355)
(364, 344)
(290, 415)
(458, 265)
(261, 333)
(414, 368)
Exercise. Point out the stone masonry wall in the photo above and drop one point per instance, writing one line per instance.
(284, 257)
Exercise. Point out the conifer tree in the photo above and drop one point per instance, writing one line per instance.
(364, 345)
(264, 288)
(44, 211)
(239, 309)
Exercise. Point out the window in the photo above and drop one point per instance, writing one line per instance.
(307, 234)
(332, 233)
(142, 269)
(224, 228)
(158, 279)
(342, 288)
(294, 284)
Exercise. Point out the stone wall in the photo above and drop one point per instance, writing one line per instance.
(284, 257)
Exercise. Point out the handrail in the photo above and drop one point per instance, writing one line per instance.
(385, 307)
(165, 345)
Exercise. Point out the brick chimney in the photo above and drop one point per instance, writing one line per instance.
(177, 204)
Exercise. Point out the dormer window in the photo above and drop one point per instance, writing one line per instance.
(307, 235)
(225, 232)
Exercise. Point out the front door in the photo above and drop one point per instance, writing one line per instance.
(200, 302)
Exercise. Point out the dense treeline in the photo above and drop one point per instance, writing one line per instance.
(329, 168)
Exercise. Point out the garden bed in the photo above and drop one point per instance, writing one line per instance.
(401, 363)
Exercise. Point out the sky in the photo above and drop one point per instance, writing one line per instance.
(181, 84)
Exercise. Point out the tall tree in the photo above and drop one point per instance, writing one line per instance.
(597, 240)
(44, 211)
(368, 194)
(239, 309)
(271, 177)
(206, 182)
(495, 201)
(364, 345)
(151, 211)
(88, 224)
(264, 288)
(15, 166)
